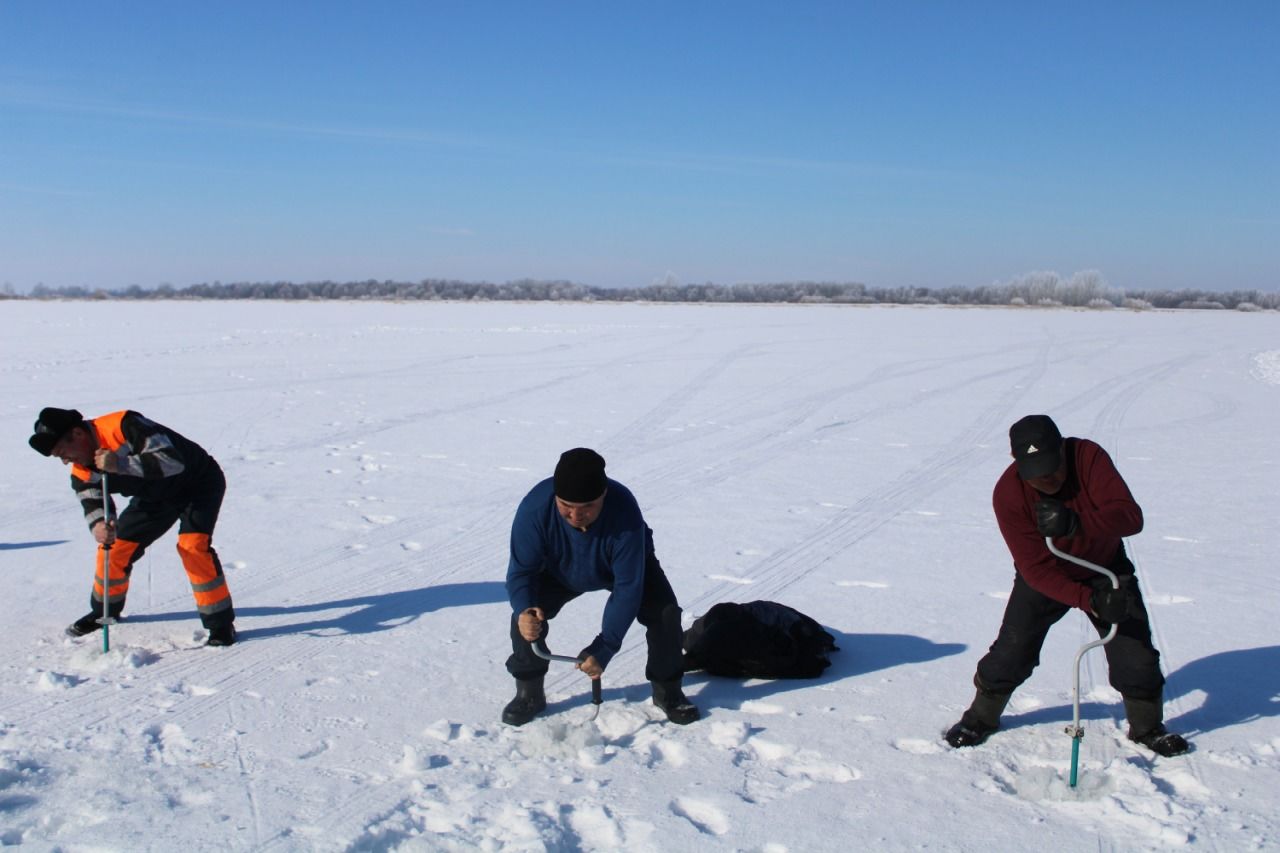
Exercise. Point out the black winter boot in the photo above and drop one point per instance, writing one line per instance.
(89, 622)
(1146, 726)
(980, 721)
(223, 635)
(668, 696)
(529, 702)
(86, 624)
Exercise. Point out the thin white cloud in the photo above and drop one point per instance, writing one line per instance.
(43, 98)
(35, 190)
(31, 98)
(735, 164)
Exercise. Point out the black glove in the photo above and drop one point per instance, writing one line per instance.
(1114, 605)
(1055, 519)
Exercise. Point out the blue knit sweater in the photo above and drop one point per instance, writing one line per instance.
(610, 555)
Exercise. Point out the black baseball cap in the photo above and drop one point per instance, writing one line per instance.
(1037, 446)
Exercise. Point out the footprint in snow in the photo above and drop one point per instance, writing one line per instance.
(668, 752)
(319, 749)
(801, 764)
(755, 706)
(702, 814)
(729, 735)
(380, 519)
(1186, 784)
(411, 546)
(168, 743)
(769, 750)
(412, 762)
(57, 681)
(917, 746)
(866, 584)
(596, 828)
(445, 731)
(731, 579)
(814, 769)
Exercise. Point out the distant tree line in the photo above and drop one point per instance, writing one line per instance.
(1086, 289)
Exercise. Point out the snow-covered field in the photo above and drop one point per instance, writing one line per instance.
(837, 459)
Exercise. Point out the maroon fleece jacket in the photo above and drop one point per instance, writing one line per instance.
(1097, 493)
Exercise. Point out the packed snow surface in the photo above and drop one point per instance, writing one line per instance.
(839, 459)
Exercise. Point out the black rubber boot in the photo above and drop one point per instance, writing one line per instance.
(529, 702)
(980, 721)
(89, 622)
(1146, 726)
(222, 635)
(668, 696)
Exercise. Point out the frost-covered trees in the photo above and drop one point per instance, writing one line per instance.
(1084, 289)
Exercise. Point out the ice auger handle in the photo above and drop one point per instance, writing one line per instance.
(540, 649)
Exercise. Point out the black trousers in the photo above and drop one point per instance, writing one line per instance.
(659, 614)
(1132, 661)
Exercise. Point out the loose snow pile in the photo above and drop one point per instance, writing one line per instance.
(1267, 366)
(836, 459)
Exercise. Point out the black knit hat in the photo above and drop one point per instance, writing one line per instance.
(1037, 446)
(51, 426)
(579, 476)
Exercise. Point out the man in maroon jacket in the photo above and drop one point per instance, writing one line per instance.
(1068, 489)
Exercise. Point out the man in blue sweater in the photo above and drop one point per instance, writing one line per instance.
(577, 532)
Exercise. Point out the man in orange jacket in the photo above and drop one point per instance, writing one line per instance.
(169, 479)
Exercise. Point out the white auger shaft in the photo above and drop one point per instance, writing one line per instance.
(1074, 729)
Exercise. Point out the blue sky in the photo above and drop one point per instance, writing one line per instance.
(912, 143)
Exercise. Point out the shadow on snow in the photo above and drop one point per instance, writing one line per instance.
(1238, 686)
(363, 614)
(859, 654)
(18, 546)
